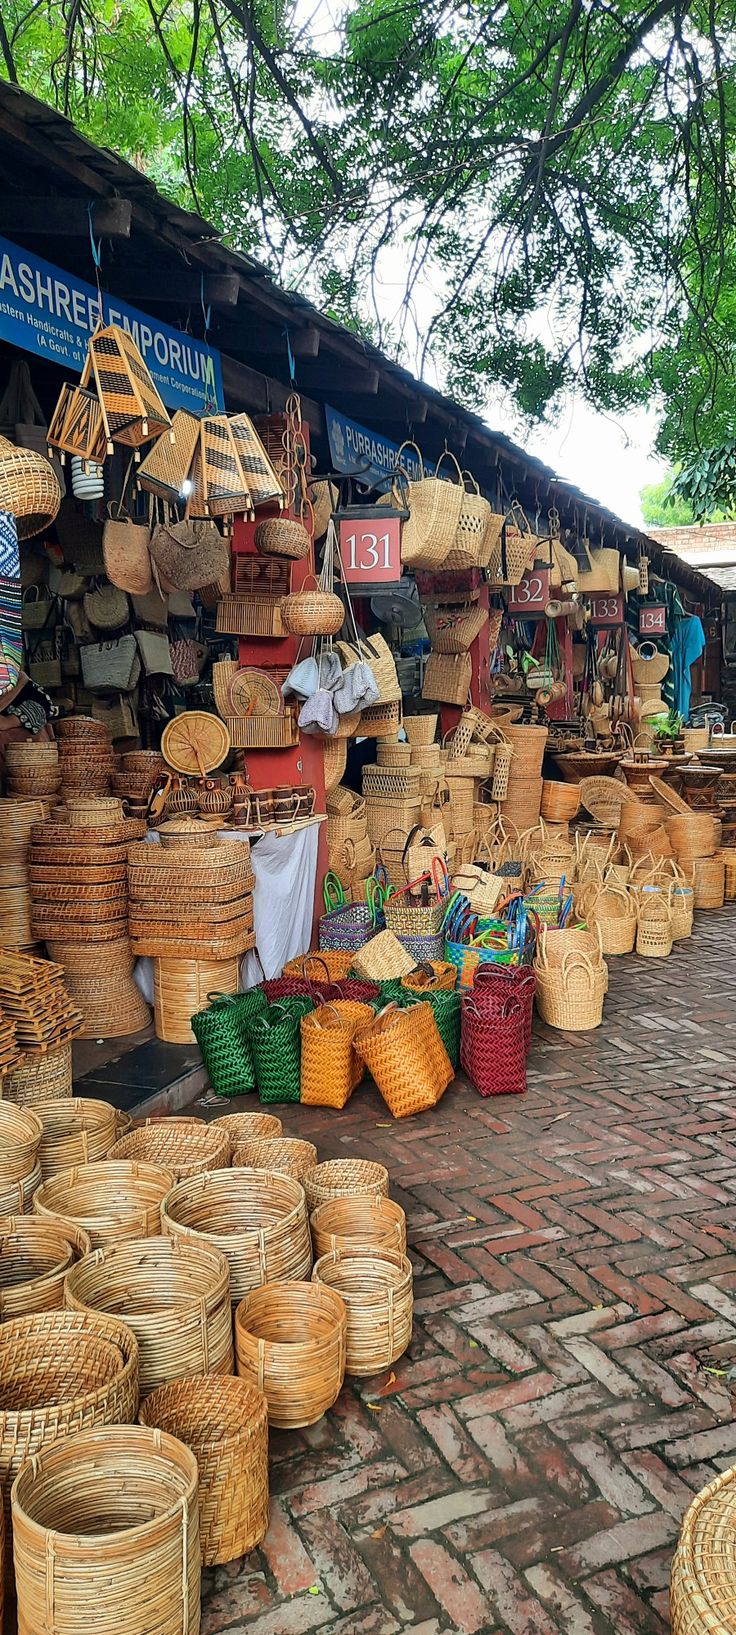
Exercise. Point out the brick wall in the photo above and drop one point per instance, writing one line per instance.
(713, 536)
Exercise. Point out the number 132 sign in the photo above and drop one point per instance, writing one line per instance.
(370, 545)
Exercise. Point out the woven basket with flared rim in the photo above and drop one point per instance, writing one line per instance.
(330, 1068)
(35, 1257)
(420, 730)
(108, 1520)
(560, 801)
(240, 1127)
(570, 997)
(290, 1341)
(111, 1202)
(709, 881)
(692, 835)
(453, 630)
(281, 1155)
(704, 1567)
(185, 1146)
(61, 1371)
(20, 1139)
(78, 1130)
(173, 1295)
(225, 1424)
(528, 744)
(257, 1219)
(345, 1178)
(344, 1223)
(612, 909)
(377, 1288)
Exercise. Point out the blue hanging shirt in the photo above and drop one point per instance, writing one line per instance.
(688, 643)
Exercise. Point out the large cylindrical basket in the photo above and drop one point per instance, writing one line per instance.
(175, 1297)
(61, 1371)
(358, 1222)
(225, 1423)
(257, 1219)
(106, 1531)
(290, 1341)
(376, 1286)
(108, 1201)
(76, 1130)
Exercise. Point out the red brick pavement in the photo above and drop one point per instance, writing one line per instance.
(575, 1266)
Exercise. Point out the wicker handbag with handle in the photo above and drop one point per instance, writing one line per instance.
(189, 554)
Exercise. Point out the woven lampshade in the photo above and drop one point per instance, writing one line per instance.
(131, 407)
(230, 471)
(29, 488)
(77, 426)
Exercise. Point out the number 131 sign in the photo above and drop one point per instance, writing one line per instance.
(370, 545)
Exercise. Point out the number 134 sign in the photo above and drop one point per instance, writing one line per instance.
(370, 545)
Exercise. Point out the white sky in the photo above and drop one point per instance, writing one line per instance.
(609, 458)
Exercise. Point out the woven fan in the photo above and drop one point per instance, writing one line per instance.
(252, 692)
(195, 742)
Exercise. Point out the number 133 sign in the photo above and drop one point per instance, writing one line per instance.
(370, 545)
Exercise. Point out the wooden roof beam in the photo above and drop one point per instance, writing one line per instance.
(65, 218)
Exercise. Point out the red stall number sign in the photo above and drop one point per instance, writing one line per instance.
(606, 610)
(370, 549)
(653, 621)
(531, 595)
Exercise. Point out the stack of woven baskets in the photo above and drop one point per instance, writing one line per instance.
(522, 803)
(694, 837)
(137, 775)
(34, 996)
(86, 756)
(350, 853)
(33, 770)
(79, 892)
(17, 817)
(392, 794)
(20, 1173)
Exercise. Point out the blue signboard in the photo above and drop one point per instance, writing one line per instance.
(53, 313)
(365, 454)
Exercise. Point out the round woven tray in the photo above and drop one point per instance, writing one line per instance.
(290, 1341)
(173, 1295)
(195, 742)
(258, 1220)
(704, 1567)
(345, 1178)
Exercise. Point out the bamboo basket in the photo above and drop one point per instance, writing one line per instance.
(345, 1178)
(385, 814)
(173, 1296)
(682, 904)
(78, 1130)
(290, 1341)
(279, 1155)
(61, 1371)
(728, 856)
(611, 908)
(522, 802)
(240, 1127)
(654, 927)
(420, 729)
(560, 801)
(16, 1197)
(447, 677)
(528, 744)
(692, 835)
(701, 1591)
(335, 762)
(329, 965)
(709, 882)
(104, 1521)
(111, 1202)
(181, 988)
(376, 1287)
(382, 958)
(258, 1220)
(20, 1139)
(35, 1257)
(570, 997)
(184, 1146)
(380, 720)
(225, 1424)
(358, 1222)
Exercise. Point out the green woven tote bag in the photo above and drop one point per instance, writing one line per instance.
(221, 1033)
(276, 1047)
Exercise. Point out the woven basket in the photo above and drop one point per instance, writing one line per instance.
(16, 1197)
(184, 1146)
(181, 988)
(571, 996)
(330, 1065)
(380, 720)
(78, 1130)
(560, 801)
(312, 613)
(329, 965)
(728, 856)
(280, 1155)
(348, 928)
(453, 630)
(29, 488)
(611, 908)
(406, 1057)
(345, 1178)
(382, 958)
(654, 927)
(290, 1342)
(359, 1221)
(701, 1589)
(225, 1424)
(20, 1139)
(420, 729)
(447, 677)
(35, 1257)
(282, 536)
(682, 903)
(104, 1521)
(709, 881)
(61, 1372)
(174, 1297)
(528, 744)
(377, 1290)
(256, 1219)
(692, 835)
(240, 1127)
(110, 1202)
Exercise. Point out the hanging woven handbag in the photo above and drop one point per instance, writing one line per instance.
(222, 1036)
(111, 666)
(275, 1043)
(189, 554)
(492, 1047)
(106, 607)
(447, 677)
(434, 504)
(453, 630)
(125, 546)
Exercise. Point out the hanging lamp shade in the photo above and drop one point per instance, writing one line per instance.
(29, 488)
(165, 469)
(77, 426)
(131, 407)
(230, 471)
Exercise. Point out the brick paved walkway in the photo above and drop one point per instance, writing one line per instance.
(575, 1263)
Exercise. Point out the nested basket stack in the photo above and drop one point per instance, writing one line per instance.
(107, 1520)
(79, 887)
(36, 1257)
(33, 770)
(111, 1202)
(20, 1171)
(135, 780)
(695, 841)
(182, 988)
(193, 899)
(523, 799)
(86, 758)
(174, 1295)
(362, 1219)
(393, 799)
(17, 817)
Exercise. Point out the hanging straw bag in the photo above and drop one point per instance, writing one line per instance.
(189, 554)
(155, 652)
(111, 666)
(126, 549)
(518, 546)
(602, 573)
(447, 678)
(106, 607)
(434, 505)
(478, 535)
